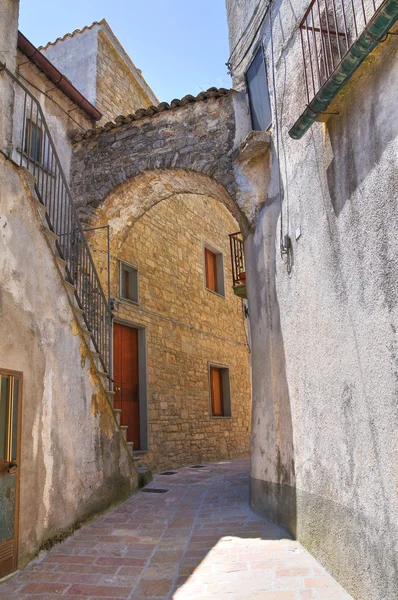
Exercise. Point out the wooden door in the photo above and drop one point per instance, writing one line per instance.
(126, 385)
(216, 388)
(10, 411)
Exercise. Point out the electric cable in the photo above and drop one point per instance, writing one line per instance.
(50, 98)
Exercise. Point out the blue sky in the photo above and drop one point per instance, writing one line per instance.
(181, 46)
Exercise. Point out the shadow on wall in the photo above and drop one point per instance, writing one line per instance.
(272, 486)
(364, 122)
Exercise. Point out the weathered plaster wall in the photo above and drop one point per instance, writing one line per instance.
(73, 462)
(62, 114)
(76, 57)
(333, 343)
(186, 325)
(9, 10)
(100, 69)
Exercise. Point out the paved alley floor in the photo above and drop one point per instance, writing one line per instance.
(198, 540)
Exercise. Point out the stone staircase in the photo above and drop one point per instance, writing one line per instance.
(88, 350)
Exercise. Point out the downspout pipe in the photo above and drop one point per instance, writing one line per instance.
(57, 77)
(378, 27)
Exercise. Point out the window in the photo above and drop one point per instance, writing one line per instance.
(33, 142)
(220, 396)
(214, 270)
(128, 282)
(257, 85)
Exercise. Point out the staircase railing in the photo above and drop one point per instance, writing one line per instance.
(36, 152)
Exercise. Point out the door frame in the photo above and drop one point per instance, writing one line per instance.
(19, 376)
(142, 381)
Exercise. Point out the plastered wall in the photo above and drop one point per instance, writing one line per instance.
(73, 464)
(324, 336)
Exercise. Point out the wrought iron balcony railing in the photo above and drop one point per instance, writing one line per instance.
(336, 36)
(238, 264)
(36, 152)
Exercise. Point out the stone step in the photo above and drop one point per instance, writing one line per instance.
(40, 207)
(51, 237)
(144, 476)
(111, 396)
(78, 311)
(117, 412)
(61, 263)
(123, 429)
(130, 446)
(70, 288)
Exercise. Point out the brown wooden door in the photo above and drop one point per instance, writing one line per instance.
(217, 407)
(10, 419)
(125, 348)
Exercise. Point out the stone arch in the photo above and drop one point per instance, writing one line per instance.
(197, 137)
(127, 202)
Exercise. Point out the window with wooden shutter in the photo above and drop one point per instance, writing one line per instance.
(211, 270)
(216, 392)
(214, 270)
(219, 391)
(128, 282)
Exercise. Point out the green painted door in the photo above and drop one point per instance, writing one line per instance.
(9, 476)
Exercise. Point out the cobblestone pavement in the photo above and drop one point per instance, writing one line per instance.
(197, 541)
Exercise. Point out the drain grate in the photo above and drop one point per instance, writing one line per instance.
(168, 473)
(197, 467)
(154, 491)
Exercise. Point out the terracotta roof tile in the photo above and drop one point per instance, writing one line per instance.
(62, 38)
(141, 113)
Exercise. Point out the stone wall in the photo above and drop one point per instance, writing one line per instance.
(118, 90)
(73, 463)
(194, 135)
(98, 66)
(324, 385)
(186, 325)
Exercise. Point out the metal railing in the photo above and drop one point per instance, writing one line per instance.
(328, 30)
(35, 150)
(237, 259)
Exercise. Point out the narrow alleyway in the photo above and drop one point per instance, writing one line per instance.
(197, 540)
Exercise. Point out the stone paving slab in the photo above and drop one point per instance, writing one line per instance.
(198, 541)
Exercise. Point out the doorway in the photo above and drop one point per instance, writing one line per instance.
(130, 381)
(10, 425)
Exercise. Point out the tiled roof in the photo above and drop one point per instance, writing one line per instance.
(61, 39)
(151, 111)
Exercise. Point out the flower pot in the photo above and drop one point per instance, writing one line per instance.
(242, 277)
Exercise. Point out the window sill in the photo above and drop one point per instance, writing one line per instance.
(215, 293)
(223, 417)
(134, 302)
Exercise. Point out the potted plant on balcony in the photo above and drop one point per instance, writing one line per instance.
(242, 278)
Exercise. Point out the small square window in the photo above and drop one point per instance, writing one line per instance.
(214, 271)
(257, 86)
(128, 282)
(220, 394)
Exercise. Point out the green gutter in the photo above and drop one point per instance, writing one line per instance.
(376, 30)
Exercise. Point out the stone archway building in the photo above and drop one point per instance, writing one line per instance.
(165, 181)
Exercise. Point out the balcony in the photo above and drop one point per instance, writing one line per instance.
(336, 36)
(238, 264)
